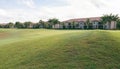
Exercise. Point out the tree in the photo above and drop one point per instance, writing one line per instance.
(104, 20)
(1, 26)
(19, 25)
(63, 25)
(73, 25)
(36, 25)
(118, 24)
(47, 25)
(53, 22)
(112, 18)
(87, 23)
(28, 24)
(10, 25)
(41, 24)
(108, 19)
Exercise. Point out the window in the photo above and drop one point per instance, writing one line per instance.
(77, 25)
(69, 23)
(81, 23)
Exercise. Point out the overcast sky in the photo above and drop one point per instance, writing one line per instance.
(34, 10)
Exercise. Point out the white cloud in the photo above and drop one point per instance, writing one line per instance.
(29, 3)
(87, 8)
(13, 15)
(2, 12)
(74, 9)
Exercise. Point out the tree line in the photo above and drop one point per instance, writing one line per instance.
(41, 24)
(51, 22)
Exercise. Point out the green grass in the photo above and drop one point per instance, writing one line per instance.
(59, 49)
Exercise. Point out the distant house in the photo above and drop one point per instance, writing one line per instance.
(80, 23)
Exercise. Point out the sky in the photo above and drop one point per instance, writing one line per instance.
(35, 10)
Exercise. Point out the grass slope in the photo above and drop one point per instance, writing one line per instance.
(59, 49)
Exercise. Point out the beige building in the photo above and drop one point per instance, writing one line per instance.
(80, 23)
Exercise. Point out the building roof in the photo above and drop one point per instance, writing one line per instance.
(83, 19)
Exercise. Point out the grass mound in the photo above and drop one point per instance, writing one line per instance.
(60, 49)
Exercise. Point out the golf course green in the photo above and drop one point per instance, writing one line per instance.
(59, 49)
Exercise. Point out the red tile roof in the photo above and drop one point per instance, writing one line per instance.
(84, 19)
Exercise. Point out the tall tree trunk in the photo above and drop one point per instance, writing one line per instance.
(87, 26)
(103, 26)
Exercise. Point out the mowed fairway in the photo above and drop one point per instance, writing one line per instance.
(59, 49)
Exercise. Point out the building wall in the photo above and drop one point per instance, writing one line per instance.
(57, 26)
(113, 25)
(81, 25)
(95, 24)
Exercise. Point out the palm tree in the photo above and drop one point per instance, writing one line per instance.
(104, 20)
(87, 23)
(63, 25)
(118, 24)
(41, 24)
(108, 19)
(73, 25)
(53, 22)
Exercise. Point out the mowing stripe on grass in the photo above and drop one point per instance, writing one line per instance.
(65, 50)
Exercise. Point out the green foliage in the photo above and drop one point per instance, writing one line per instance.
(118, 24)
(73, 25)
(9, 25)
(28, 24)
(42, 24)
(19, 25)
(1, 26)
(52, 22)
(87, 23)
(36, 25)
(63, 24)
(109, 18)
